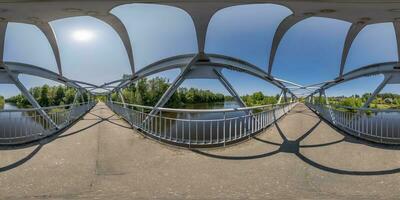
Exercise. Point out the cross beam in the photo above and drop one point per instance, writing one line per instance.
(32, 100)
(230, 88)
(377, 90)
(174, 86)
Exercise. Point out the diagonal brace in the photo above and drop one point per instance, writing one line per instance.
(377, 90)
(230, 88)
(32, 100)
(173, 87)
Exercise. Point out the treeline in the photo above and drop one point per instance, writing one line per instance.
(47, 96)
(149, 91)
(258, 99)
(2, 102)
(384, 100)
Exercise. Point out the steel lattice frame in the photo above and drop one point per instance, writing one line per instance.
(40, 13)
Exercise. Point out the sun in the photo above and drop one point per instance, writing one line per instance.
(82, 35)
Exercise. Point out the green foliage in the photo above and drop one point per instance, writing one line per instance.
(101, 98)
(47, 96)
(2, 102)
(381, 101)
(258, 98)
(352, 102)
(148, 92)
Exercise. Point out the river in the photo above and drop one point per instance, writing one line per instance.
(17, 124)
(9, 106)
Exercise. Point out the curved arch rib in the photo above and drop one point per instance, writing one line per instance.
(396, 25)
(3, 29)
(120, 28)
(283, 27)
(201, 14)
(354, 30)
(215, 60)
(386, 68)
(51, 37)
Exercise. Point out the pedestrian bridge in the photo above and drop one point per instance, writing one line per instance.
(302, 146)
(298, 156)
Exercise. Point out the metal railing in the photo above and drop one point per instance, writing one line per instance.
(382, 126)
(196, 127)
(27, 125)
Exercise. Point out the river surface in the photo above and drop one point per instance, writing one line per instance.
(17, 124)
(381, 125)
(202, 127)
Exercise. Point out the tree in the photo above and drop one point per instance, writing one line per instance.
(58, 99)
(44, 96)
(2, 102)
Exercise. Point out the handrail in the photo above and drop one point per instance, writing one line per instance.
(26, 125)
(43, 108)
(366, 109)
(195, 128)
(178, 110)
(377, 127)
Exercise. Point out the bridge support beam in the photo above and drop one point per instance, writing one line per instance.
(396, 25)
(32, 100)
(354, 30)
(76, 98)
(77, 95)
(331, 113)
(174, 86)
(3, 29)
(280, 97)
(230, 88)
(110, 98)
(285, 96)
(377, 90)
(122, 98)
(51, 37)
(121, 30)
(323, 93)
(283, 27)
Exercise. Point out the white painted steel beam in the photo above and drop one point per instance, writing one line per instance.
(51, 37)
(354, 30)
(282, 29)
(230, 88)
(377, 90)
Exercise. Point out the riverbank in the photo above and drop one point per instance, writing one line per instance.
(8, 106)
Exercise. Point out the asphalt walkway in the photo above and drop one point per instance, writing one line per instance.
(299, 157)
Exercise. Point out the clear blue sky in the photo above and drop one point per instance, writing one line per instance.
(310, 52)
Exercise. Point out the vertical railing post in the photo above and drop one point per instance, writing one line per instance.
(31, 99)
(190, 130)
(121, 96)
(160, 124)
(224, 129)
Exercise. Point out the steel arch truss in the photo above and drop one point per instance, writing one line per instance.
(390, 71)
(9, 74)
(197, 66)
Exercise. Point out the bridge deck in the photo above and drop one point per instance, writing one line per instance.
(299, 157)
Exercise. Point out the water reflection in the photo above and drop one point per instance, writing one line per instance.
(202, 127)
(18, 124)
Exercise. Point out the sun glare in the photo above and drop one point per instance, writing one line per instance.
(83, 35)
